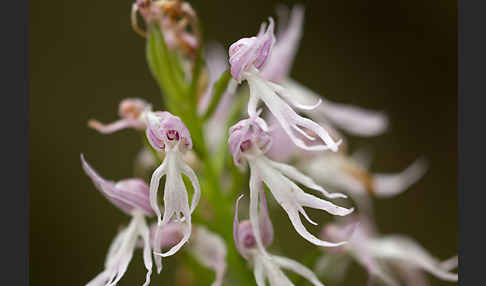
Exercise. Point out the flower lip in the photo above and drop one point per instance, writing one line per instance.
(246, 134)
(165, 129)
(253, 51)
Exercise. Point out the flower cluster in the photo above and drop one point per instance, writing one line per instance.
(292, 145)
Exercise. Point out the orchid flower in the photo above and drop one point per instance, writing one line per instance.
(130, 111)
(247, 57)
(345, 173)
(249, 140)
(167, 133)
(207, 247)
(379, 254)
(265, 266)
(354, 120)
(132, 197)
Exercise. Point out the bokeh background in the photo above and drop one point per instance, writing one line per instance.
(398, 56)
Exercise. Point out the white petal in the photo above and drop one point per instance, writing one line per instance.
(286, 46)
(375, 269)
(101, 279)
(291, 197)
(187, 170)
(450, 263)
(292, 100)
(330, 170)
(147, 250)
(355, 120)
(258, 272)
(254, 217)
(287, 117)
(298, 268)
(124, 253)
(407, 250)
(273, 272)
(175, 193)
(154, 187)
(303, 179)
(387, 185)
(114, 247)
(300, 228)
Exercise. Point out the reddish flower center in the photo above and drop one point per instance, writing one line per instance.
(245, 145)
(249, 241)
(173, 135)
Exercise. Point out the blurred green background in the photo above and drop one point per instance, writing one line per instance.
(398, 56)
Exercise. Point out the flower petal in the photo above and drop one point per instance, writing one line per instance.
(147, 250)
(236, 223)
(258, 272)
(285, 48)
(187, 170)
(294, 174)
(280, 90)
(266, 227)
(287, 117)
(450, 263)
(154, 187)
(115, 126)
(255, 185)
(119, 255)
(387, 185)
(292, 198)
(110, 192)
(407, 250)
(298, 268)
(352, 119)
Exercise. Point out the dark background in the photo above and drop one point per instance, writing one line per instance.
(397, 56)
